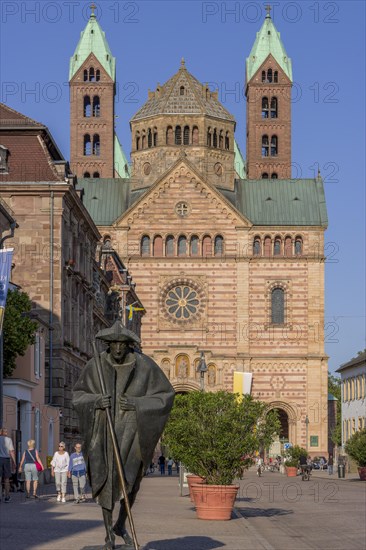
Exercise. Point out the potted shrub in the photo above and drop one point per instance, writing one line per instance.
(356, 449)
(292, 459)
(211, 433)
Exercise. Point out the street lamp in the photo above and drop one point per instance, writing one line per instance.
(307, 421)
(202, 368)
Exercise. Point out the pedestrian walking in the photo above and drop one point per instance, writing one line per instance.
(7, 460)
(321, 462)
(330, 464)
(170, 466)
(77, 473)
(161, 462)
(59, 469)
(29, 460)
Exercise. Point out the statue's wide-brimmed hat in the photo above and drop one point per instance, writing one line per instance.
(118, 333)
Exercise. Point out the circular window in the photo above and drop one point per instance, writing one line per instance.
(182, 209)
(182, 302)
(147, 168)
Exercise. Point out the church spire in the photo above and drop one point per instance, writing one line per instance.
(268, 42)
(93, 40)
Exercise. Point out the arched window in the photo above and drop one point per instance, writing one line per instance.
(277, 246)
(219, 245)
(275, 76)
(274, 176)
(149, 138)
(298, 246)
(269, 75)
(288, 246)
(265, 146)
(145, 246)
(257, 246)
(186, 135)
(169, 246)
(137, 141)
(206, 246)
(181, 90)
(155, 137)
(267, 246)
(195, 135)
(96, 175)
(182, 246)
(194, 245)
(143, 140)
(91, 75)
(209, 137)
(178, 135)
(86, 174)
(97, 75)
(263, 76)
(169, 136)
(274, 108)
(274, 146)
(85, 75)
(227, 141)
(87, 106)
(215, 138)
(221, 139)
(87, 145)
(265, 107)
(278, 306)
(96, 106)
(96, 145)
(265, 176)
(158, 246)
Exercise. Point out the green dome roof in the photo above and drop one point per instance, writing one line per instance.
(92, 40)
(268, 42)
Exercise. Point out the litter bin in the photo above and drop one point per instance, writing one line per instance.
(341, 470)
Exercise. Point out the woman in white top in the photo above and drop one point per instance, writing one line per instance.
(59, 469)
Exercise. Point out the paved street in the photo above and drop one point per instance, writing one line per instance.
(272, 513)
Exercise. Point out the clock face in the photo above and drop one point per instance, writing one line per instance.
(218, 169)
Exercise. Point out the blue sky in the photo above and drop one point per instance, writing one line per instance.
(326, 41)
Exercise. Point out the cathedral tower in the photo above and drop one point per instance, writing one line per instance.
(268, 93)
(94, 150)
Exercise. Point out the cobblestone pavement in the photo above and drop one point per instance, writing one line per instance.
(271, 513)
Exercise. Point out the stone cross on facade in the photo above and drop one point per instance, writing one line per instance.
(182, 209)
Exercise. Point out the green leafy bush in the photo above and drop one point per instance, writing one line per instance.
(356, 447)
(293, 455)
(18, 330)
(215, 434)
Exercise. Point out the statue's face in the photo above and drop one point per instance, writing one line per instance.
(118, 351)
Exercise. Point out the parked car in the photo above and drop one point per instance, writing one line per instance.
(316, 463)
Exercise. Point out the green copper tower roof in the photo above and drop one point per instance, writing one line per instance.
(268, 42)
(93, 40)
(120, 161)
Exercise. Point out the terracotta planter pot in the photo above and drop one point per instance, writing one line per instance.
(192, 478)
(291, 471)
(214, 501)
(362, 472)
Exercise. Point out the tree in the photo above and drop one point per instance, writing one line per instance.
(18, 330)
(216, 434)
(334, 387)
(356, 447)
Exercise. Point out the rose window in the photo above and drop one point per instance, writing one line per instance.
(182, 302)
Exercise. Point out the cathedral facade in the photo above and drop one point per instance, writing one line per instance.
(227, 254)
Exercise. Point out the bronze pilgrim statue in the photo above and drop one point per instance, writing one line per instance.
(134, 402)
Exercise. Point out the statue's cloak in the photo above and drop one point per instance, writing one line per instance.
(137, 431)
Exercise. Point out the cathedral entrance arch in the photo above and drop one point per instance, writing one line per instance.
(287, 418)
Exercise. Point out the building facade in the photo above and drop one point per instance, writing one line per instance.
(353, 376)
(227, 256)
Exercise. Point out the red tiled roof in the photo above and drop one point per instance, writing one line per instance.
(10, 117)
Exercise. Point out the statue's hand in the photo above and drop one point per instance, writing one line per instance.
(127, 403)
(103, 402)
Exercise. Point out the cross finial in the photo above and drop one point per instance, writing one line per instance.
(93, 7)
(268, 10)
(182, 62)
